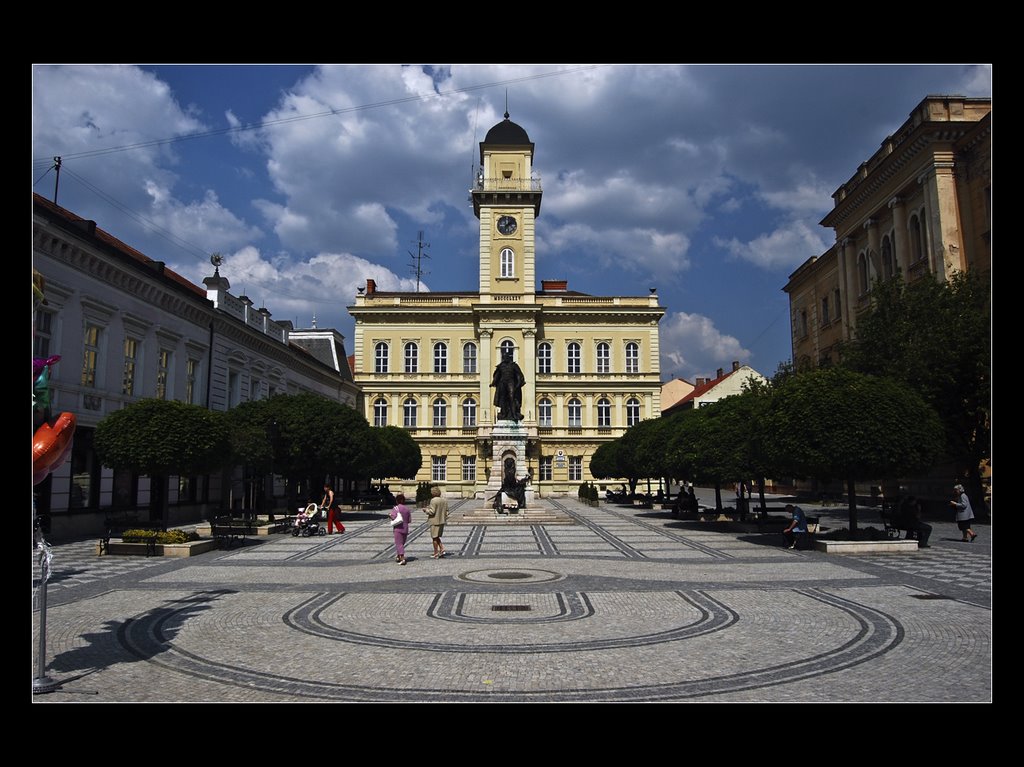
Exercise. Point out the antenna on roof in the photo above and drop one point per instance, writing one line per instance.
(420, 255)
(506, 103)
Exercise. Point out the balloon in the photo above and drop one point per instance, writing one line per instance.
(51, 446)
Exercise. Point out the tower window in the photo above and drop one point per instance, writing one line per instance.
(508, 263)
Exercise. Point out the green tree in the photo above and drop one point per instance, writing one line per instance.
(722, 442)
(162, 437)
(304, 437)
(396, 454)
(834, 423)
(936, 338)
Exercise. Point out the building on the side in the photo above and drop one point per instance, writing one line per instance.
(126, 327)
(708, 390)
(673, 391)
(919, 207)
(425, 361)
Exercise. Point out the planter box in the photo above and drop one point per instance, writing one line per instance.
(278, 527)
(866, 547)
(190, 549)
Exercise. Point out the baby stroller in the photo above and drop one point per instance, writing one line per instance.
(307, 522)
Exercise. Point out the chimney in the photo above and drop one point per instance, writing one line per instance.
(735, 365)
(371, 287)
(720, 373)
(698, 381)
(551, 285)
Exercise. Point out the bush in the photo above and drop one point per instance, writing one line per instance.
(169, 536)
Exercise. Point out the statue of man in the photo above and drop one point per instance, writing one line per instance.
(508, 382)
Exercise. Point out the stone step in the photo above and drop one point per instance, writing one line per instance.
(533, 516)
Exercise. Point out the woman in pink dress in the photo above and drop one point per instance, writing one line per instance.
(400, 516)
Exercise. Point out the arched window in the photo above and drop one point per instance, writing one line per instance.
(440, 414)
(544, 358)
(544, 412)
(412, 353)
(604, 358)
(380, 412)
(508, 263)
(440, 357)
(862, 273)
(916, 238)
(469, 412)
(409, 413)
(632, 357)
(573, 358)
(575, 413)
(604, 412)
(380, 358)
(887, 264)
(469, 358)
(508, 346)
(632, 411)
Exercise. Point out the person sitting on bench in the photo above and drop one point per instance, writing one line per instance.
(797, 526)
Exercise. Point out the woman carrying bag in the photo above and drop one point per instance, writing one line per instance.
(400, 516)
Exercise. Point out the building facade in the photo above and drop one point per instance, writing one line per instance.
(128, 328)
(919, 207)
(425, 360)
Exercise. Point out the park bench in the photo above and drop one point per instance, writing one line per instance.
(895, 523)
(114, 526)
(805, 540)
(229, 529)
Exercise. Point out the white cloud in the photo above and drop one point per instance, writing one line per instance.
(647, 252)
(205, 224)
(787, 246)
(294, 289)
(809, 196)
(692, 346)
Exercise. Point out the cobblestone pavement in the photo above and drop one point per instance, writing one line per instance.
(624, 605)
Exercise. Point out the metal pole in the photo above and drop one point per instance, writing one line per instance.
(42, 683)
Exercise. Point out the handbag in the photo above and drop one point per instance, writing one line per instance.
(397, 520)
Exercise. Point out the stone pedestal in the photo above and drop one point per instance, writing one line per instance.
(508, 438)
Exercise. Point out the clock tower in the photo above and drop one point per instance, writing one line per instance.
(506, 199)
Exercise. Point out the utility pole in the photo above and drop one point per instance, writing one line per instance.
(419, 256)
(56, 184)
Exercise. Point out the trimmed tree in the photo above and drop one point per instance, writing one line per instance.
(163, 437)
(303, 437)
(396, 454)
(833, 423)
(936, 338)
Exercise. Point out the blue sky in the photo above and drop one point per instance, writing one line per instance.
(707, 182)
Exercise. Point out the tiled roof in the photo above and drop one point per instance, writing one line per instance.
(116, 244)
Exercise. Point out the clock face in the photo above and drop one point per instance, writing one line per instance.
(506, 225)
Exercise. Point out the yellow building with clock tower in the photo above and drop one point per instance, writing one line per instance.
(425, 361)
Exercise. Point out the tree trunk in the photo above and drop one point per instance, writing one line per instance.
(760, 494)
(718, 497)
(976, 493)
(852, 498)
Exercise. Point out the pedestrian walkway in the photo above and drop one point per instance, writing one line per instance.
(623, 605)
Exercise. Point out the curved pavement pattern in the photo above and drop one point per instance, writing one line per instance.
(624, 605)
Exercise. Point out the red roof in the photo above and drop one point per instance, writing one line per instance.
(116, 244)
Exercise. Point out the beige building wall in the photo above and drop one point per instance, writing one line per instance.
(673, 391)
(920, 207)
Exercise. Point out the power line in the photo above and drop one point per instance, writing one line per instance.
(326, 113)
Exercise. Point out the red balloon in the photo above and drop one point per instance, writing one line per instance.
(51, 446)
